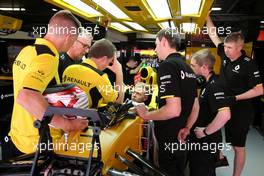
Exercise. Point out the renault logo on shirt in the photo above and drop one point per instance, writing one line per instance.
(187, 75)
(182, 74)
(236, 69)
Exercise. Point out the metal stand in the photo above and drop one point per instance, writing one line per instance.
(45, 137)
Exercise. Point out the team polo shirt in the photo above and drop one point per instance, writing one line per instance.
(240, 75)
(34, 68)
(64, 62)
(175, 79)
(211, 101)
(93, 81)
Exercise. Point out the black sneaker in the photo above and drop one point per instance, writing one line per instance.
(222, 162)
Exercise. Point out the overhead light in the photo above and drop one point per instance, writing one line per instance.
(216, 8)
(190, 7)
(188, 27)
(120, 27)
(111, 8)
(160, 8)
(261, 21)
(135, 26)
(83, 7)
(12, 9)
(54, 10)
(165, 25)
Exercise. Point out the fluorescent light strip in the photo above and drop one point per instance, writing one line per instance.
(261, 21)
(12, 9)
(135, 26)
(111, 8)
(83, 7)
(188, 27)
(160, 8)
(216, 8)
(120, 27)
(165, 25)
(190, 7)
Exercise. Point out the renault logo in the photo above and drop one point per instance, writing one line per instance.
(182, 74)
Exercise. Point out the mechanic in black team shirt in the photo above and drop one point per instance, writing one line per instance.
(76, 52)
(177, 101)
(214, 112)
(241, 80)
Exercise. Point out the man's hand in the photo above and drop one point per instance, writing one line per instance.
(75, 125)
(183, 133)
(142, 111)
(116, 67)
(199, 132)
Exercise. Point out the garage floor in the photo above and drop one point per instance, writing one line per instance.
(254, 157)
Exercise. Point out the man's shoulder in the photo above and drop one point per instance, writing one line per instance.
(72, 69)
(247, 59)
(215, 86)
(43, 49)
(173, 60)
(90, 67)
(28, 50)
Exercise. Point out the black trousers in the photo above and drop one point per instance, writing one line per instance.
(202, 161)
(172, 163)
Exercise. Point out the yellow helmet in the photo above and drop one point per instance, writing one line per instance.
(148, 75)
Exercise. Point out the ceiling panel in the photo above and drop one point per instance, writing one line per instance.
(140, 12)
(238, 13)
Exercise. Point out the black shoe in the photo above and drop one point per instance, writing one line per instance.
(222, 162)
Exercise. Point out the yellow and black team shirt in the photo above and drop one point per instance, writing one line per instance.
(93, 81)
(34, 68)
